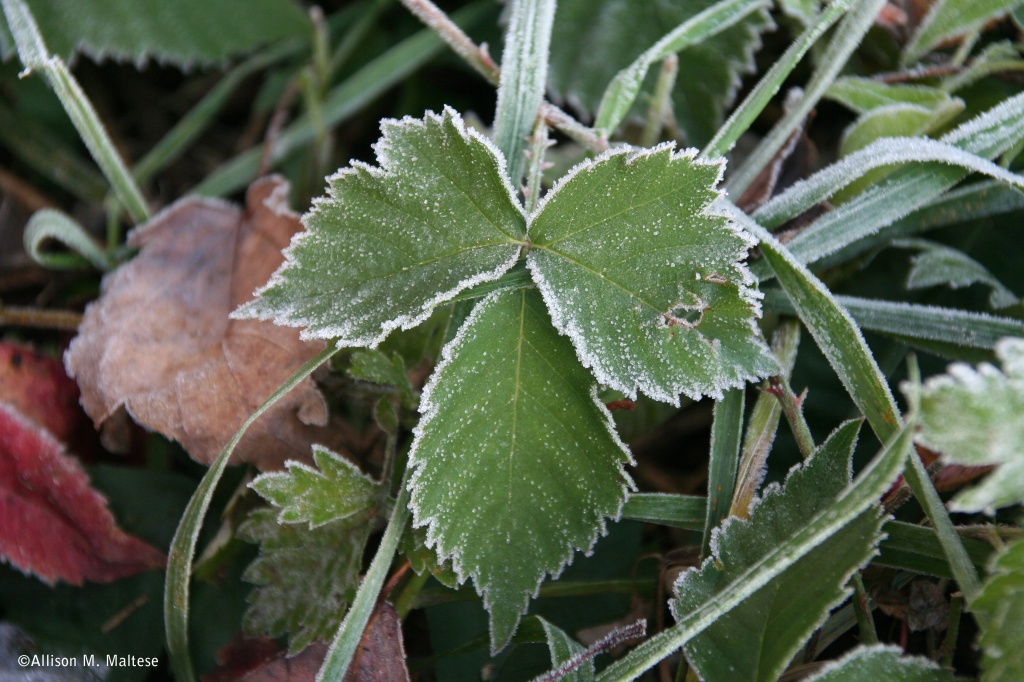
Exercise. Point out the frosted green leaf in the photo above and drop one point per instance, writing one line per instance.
(973, 417)
(881, 662)
(951, 18)
(784, 612)
(938, 264)
(378, 367)
(516, 461)
(563, 649)
(389, 244)
(998, 609)
(306, 577)
(183, 32)
(804, 11)
(596, 39)
(647, 279)
(863, 95)
(339, 490)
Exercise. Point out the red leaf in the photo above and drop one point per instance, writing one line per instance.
(39, 388)
(52, 522)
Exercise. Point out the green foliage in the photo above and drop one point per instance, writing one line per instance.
(937, 264)
(949, 18)
(881, 662)
(783, 613)
(563, 648)
(512, 436)
(305, 577)
(972, 416)
(184, 32)
(337, 491)
(998, 610)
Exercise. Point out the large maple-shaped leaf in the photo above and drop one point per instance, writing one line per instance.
(647, 279)
(516, 462)
(159, 340)
(52, 523)
(594, 39)
(335, 490)
(998, 609)
(783, 613)
(306, 577)
(973, 417)
(391, 243)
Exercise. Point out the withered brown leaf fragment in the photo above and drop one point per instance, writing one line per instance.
(159, 341)
(381, 653)
(266, 665)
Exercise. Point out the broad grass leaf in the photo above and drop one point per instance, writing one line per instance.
(882, 662)
(777, 620)
(159, 341)
(516, 462)
(998, 608)
(973, 417)
(183, 32)
(305, 577)
(647, 279)
(54, 524)
(391, 243)
(335, 490)
(596, 39)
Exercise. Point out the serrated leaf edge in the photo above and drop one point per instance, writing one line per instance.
(747, 285)
(285, 316)
(427, 414)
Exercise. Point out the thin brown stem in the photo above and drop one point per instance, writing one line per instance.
(17, 316)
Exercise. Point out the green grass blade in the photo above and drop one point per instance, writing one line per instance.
(624, 88)
(524, 69)
(847, 38)
(34, 55)
(834, 331)
(680, 511)
(339, 656)
(769, 85)
(51, 224)
(342, 102)
(862, 493)
(726, 431)
(183, 546)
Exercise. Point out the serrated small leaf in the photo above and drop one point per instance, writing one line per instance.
(881, 662)
(516, 461)
(998, 608)
(378, 367)
(973, 417)
(938, 264)
(183, 32)
(391, 243)
(784, 613)
(305, 577)
(647, 279)
(337, 491)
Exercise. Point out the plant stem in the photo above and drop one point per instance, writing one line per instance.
(661, 101)
(948, 647)
(406, 600)
(18, 316)
(539, 144)
(792, 408)
(726, 433)
(862, 608)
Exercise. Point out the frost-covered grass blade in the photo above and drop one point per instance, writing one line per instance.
(881, 662)
(391, 243)
(516, 462)
(647, 279)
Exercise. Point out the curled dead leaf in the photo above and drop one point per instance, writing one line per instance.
(52, 522)
(160, 343)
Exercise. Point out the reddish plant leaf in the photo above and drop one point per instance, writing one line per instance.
(159, 340)
(52, 522)
(381, 653)
(277, 668)
(39, 388)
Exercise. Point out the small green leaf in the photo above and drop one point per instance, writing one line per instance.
(998, 609)
(939, 264)
(337, 491)
(183, 32)
(804, 11)
(647, 278)
(516, 461)
(390, 244)
(306, 577)
(863, 95)
(378, 367)
(783, 613)
(951, 18)
(881, 662)
(563, 649)
(973, 417)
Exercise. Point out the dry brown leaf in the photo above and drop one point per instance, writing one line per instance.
(252, 661)
(381, 653)
(160, 343)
